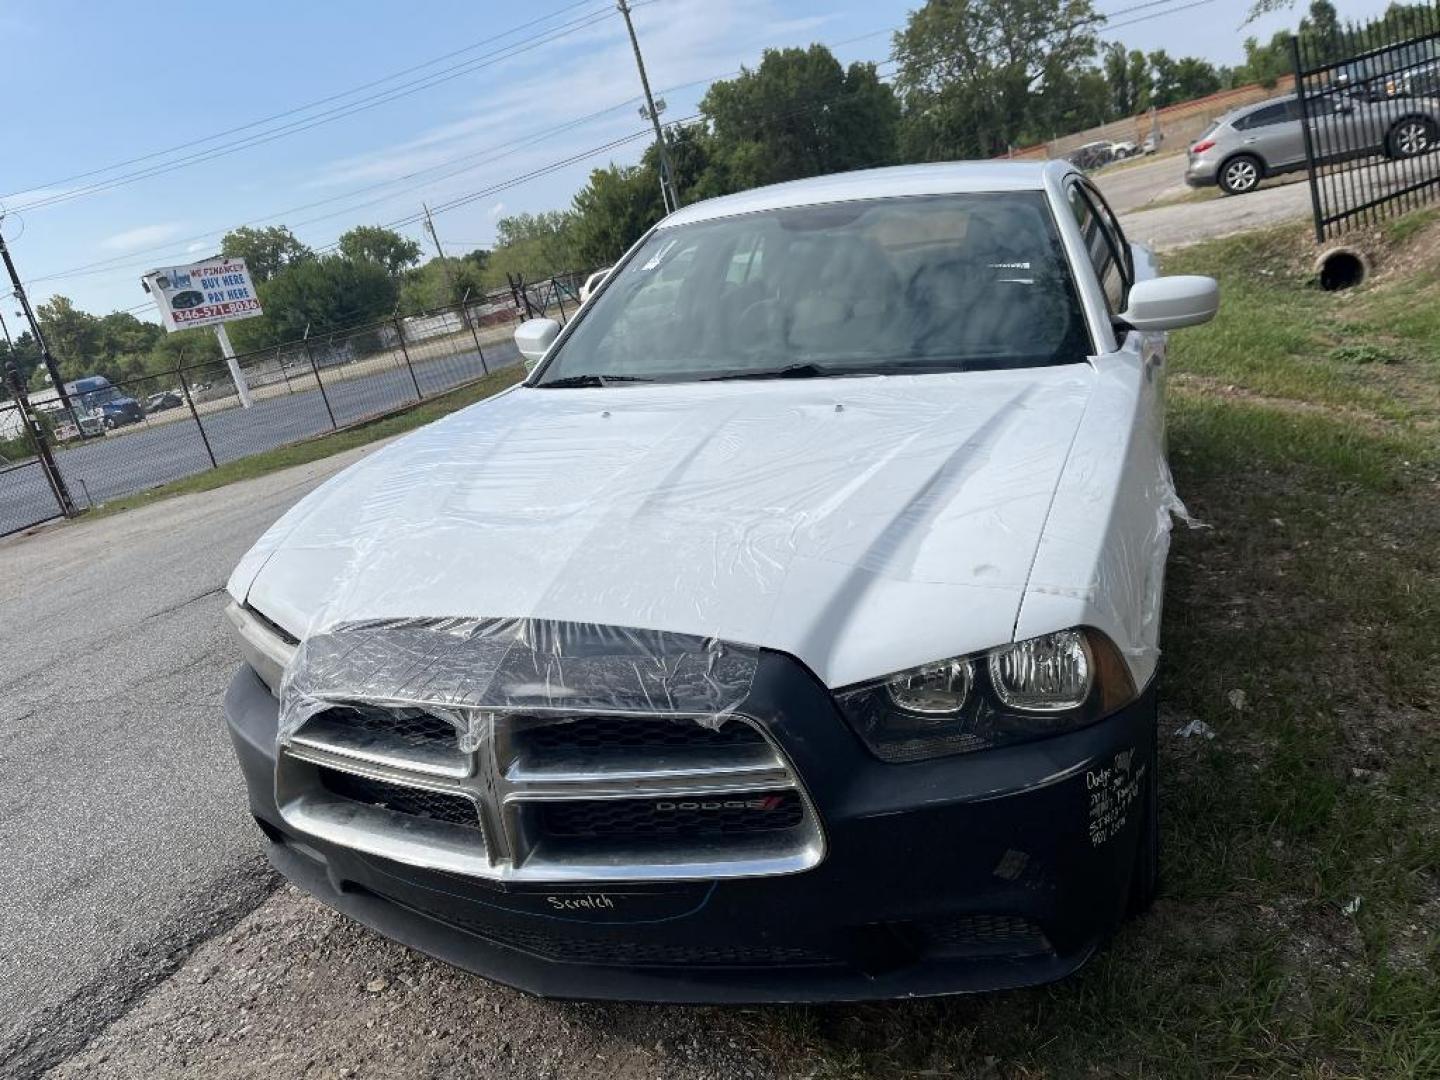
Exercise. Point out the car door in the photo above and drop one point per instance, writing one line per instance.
(1116, 266)
(1275, 134)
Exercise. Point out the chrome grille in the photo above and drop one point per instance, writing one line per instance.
(590, 797)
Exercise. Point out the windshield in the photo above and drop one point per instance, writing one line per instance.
(886, 286)
(95, 398)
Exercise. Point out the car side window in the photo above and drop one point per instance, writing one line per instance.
(1271, 114)
(1109, 253)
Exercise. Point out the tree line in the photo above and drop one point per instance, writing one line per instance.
(973, 79)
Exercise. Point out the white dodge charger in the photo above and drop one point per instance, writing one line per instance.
(789, 634)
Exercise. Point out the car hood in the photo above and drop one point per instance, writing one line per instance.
(863, 525)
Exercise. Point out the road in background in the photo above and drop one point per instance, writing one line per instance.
(134, 459)
(1133, 189)
(125, 829)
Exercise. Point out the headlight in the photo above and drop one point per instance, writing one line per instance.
(264, 645)
(1029, 690)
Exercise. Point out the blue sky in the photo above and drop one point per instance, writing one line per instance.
(91, 83)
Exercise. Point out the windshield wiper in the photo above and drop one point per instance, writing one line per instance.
(790, 371)
(592, 380)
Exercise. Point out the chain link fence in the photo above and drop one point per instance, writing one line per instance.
(140, 433)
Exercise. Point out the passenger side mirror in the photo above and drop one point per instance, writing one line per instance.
(533, 338)
(1170, 303)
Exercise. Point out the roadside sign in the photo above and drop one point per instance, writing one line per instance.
(208, 293)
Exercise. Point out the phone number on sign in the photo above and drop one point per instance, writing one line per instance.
(215, 311)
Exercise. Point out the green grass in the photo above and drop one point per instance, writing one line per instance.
(300, 453)
(1314, 589)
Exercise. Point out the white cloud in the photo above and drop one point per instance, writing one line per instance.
(583, 74)
(142, 236)
(198, 246)
(496, 211)
(791, 27)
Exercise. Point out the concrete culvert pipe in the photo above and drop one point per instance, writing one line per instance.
(1341, 268)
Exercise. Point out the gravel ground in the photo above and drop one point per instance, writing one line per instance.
(295, 990)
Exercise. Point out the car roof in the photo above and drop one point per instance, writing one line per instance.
(897, 181)
(1255, 106)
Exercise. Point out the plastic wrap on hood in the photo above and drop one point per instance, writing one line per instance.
(1101, 561)
(465, 670)
(860, 525)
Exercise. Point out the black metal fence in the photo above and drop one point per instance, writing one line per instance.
(144, 432)
(1370, 100)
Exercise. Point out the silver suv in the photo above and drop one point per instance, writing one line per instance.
(1245, 146)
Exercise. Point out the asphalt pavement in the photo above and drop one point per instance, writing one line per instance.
(135, 458)
(124, 828)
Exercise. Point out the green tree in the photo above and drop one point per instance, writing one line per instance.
(321, 294)
(532, 245)
(266, 251)
(1072, 100)
(612, 211)
(440, 283)
(798, 114)
(1127, 72)
(1265, 63)
(1195, 78)
(73, 336)
(374, 243)
(972, 72)
(25, 354)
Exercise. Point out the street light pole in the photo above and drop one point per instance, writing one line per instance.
(668, 193)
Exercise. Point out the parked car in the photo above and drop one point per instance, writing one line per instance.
(1399, 70)
(1268, 139)
(1152, 142)
(96, 398)
(167, 399)
(1091, 156)
(1119, 151)
(791, 637)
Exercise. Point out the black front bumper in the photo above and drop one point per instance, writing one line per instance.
(979, 872)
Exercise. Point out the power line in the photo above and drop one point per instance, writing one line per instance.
(295, 127)
(301, 108)
(487, 156)
(1155, 15)
(104, 266)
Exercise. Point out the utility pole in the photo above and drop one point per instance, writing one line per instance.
(440, 251)
(49, 361)
(445, 266)
(668, 193)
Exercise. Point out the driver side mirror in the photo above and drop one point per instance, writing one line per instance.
(533, 338)
(1170, 303)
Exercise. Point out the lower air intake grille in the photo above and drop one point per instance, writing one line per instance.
(624, 950)
(682, 817)
(400, 799)
(1009, 932)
